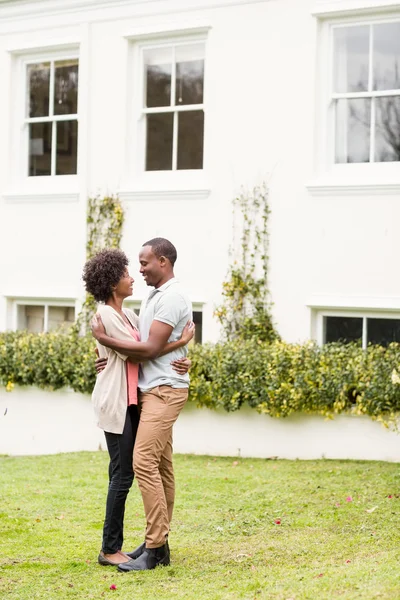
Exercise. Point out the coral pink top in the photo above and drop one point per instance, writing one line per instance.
(132, 371)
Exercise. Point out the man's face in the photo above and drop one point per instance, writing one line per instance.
(150, 266)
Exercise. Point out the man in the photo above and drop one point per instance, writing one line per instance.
(163, 393)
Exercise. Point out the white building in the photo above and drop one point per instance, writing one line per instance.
(176, 104)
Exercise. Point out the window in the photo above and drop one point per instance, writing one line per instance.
(173, 109)
(37, 318)
(51, 117)
(366, 92)
(367, 330)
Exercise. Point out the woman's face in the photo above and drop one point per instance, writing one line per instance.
(124, 287)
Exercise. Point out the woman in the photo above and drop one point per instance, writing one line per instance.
(114, 396)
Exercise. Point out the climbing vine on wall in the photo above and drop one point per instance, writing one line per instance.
(105, 219)
(245, 312)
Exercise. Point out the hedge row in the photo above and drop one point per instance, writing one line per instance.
(276, 379)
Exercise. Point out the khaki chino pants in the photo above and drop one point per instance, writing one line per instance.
(152, 458)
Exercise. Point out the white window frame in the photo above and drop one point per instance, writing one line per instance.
(136, 175)
(52, 118)
(361, 314)
(20, 178)
(47, 303)
(350, 177)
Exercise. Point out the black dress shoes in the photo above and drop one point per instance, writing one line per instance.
(137, 551)
(149, 559)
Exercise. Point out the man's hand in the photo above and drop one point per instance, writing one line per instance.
(181, 365)
(97, 326)
(100, 364)
(188, 332)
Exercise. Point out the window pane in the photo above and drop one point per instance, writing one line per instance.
(31, 318)
(190, 139)
(60, 315)
(386, 56)
(158, 69)
(351, 59)
(387, 132)
(189, 74)
(38, 89)
(343, 329)
(159, 142)
(353, 118)
(198, 321)
(66, 87)
(67, 144)
(40, 149)
(383, 331)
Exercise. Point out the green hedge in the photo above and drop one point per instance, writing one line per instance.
(276, 379)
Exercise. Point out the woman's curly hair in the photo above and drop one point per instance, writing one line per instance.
(103, 271)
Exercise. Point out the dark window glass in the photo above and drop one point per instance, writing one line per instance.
(351, 66)
(383, 331)
(386, 55)
(343, 329)
(189, 82)
(66, 87)
(67, 145)
(38, 83)
(159, 142)
(198, 321)
(40, 149)
(387, 141)
(158, 85)
(190, 139)
(353, 121)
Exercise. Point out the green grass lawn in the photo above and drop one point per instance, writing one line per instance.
(243, 528)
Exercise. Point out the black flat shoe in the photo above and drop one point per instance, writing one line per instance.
(104, 562)
(149, 559)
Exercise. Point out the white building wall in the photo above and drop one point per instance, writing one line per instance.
(263, 103)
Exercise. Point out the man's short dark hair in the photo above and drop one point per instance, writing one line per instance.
(163, 247)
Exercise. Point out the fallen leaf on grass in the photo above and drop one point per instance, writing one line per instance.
(60, 518)
(371, 510)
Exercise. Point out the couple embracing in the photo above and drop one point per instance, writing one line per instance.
(141, 387)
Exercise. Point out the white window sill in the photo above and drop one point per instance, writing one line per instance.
(44, 189)
(178, 185)
(171, 194)
(334, 187)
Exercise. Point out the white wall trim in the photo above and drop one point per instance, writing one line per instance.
(352, 189)
(25, 9)
(171, 31)
(39, 198)
(167, 195)
(377, 304)
(333, 8)
(53, 45)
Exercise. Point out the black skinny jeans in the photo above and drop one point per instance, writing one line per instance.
(120, 471)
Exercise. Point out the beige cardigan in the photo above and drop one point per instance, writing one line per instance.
(110, 395)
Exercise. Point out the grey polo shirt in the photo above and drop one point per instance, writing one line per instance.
(168, 304)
